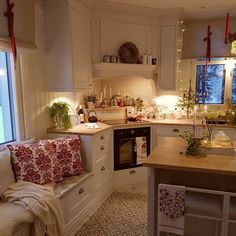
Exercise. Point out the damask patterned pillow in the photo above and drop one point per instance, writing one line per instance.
(69, 155)
(36, 163)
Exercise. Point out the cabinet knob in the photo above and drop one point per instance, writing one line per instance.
(102, 137)
(90, 84)
(103, 168)
(132, 172)
(81, 191)
(175, 130)
(102, 148)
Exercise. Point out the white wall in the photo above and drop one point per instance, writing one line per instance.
(36, 98)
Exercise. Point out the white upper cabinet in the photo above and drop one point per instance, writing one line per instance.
(167, 78)
(23, 22)
(68, 47)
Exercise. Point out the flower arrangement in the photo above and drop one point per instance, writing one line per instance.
(210, 121)
(90, 98)
(59, 112)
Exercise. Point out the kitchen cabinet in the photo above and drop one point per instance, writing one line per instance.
(23, 24)
(172, 131)
(68, 47)
(167, 79)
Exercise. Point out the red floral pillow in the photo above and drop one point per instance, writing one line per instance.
(36, 163)
(68, 155)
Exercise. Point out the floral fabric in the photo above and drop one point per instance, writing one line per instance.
(36, 163)
(68, 155)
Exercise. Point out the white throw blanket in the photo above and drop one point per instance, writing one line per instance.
(42, 203)
(171, 206)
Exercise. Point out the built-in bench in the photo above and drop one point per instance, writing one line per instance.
(19, 219)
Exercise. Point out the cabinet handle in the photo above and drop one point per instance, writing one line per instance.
(175, 130)
(90, 84)
(132, 172)
(81, 191)
(102, 148)
(102, 137)
(103, 168)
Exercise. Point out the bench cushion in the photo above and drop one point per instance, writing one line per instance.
(13, 216)
(6, 173)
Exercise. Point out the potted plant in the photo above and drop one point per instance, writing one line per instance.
(59, 112)
(194, 145)
(90, 100)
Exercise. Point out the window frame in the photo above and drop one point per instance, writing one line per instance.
(228, 79)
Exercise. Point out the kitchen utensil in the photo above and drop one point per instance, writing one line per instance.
(92, 117)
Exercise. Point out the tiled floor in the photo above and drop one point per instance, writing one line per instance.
(121, 214)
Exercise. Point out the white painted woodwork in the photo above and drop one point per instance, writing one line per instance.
(68, 47)
(24, 27)
(167, 79)
(129, 177)
(110, 70)
(172, 131)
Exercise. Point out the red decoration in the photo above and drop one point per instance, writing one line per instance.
(227, 29)
(208, 40)
(10, 18)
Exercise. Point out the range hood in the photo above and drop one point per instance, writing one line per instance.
(196, 31)
(111, 70)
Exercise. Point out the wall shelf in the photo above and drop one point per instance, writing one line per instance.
(109, 70)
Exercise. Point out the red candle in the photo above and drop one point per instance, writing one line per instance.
(227, 28)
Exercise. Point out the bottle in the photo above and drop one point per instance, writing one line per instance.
(81, 114)
(144, 59)
(149, 59)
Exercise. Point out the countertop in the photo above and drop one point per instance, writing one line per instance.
(81, 129)
(169, 158)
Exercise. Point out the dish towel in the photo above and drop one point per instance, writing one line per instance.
(141, 149)
(171, 205)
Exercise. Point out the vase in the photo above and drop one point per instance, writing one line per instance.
(90, 105)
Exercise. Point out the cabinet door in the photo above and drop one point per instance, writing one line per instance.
(168, 58)
(81, 49)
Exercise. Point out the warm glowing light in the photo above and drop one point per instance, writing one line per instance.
(233, 47)
(205, 108)
(168, 101)
(2, 72)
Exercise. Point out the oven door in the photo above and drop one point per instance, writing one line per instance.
(125, 147)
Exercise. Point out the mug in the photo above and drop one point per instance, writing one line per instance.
(106, 59)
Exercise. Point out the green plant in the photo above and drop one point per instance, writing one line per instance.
(90, 98)
(59, 112)
(194, 145)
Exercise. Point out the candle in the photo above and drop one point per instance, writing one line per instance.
(101, 97)
(105, 87)
(110, 93)
(205, 108)
(227, 28)
(194, 120)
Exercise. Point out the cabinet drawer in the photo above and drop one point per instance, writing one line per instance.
(78, 200)
(102, 171)
(102, 138)
(172, 130)
(129, 176)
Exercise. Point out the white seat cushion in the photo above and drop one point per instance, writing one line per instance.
(6, 173)
(13, 216)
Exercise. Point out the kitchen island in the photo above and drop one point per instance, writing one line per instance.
(167, 164)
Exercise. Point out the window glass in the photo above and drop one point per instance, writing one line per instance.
(7, 127)
(210, 88)
(234, 86)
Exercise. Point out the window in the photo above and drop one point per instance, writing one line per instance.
(7, 123)
(234, 86)
(210, 88)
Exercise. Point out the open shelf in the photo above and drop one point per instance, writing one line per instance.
(109, 70)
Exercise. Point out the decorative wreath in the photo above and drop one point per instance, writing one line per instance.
(129, 53)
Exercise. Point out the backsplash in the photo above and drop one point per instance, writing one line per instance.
(132, 86)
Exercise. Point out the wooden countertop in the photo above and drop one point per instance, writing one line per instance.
(167, 156)
(81, 129)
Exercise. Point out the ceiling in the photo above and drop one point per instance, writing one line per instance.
(192, 8)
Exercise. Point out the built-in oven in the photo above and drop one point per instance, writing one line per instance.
(131, 147)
